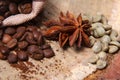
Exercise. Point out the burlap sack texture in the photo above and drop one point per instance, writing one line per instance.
(69, 64)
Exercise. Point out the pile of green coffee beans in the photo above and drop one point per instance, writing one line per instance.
(103, 39)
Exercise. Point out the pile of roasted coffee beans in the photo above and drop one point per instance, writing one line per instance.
(20, 43)
(12, 7)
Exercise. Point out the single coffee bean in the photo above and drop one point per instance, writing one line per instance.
(30, 38)
(31, 28)
(6, 38)
(39, 55)
(20, 32)
(22, 44)
(10, 31)
(46, 46)
(3, 6)
(7, 14)
(4, 50)
(48, 53)
(13, 8)
(36, 34)
(40, 40)
(12, 43)
(22, 55)
(25, 8)
(12, 58)
(32, 48)
(3, 57)
(1, 18)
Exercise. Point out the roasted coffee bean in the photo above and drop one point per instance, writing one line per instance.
(31, 28)
(4, 50)
(25, 8)
(36, 34)
(32, 48)
(22, 44)
(48, 53)
(3, 57)
(3, 6)
(7, 14)
(20, 32)
(12, 43)
(12, 58)
(13, 8)
(46, 46)
(1, 18)
(39, 55)
(6, 38)
(30, 38)
(10, 31)
(40, 40)
(22, 55)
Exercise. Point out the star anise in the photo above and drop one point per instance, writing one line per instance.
(69, 29)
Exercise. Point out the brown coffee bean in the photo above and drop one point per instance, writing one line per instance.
(46, 46)
(39, 55)
(7, 14)
(3, 57)
(31, 28)
(30, 38)
(20, 32)
(10, 31)
(40, 40)
(25, 8)
(22, 44)
(22, 55)
(48, 53)
(36, 34)
(32, 48)
(12, 43)
(12, 58)
(6, 38)
(4, 50)
(3, 6)
(13, 8)
(1, 18)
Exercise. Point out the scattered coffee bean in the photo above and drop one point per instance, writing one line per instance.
(22, 44)
(4, 50)
(13, 8)
(1, 18)
(3, 6)
(20, 31)
(12, 58)
(7, 14)
(46, 46)
(22, 55)
(25, 8)
(39, 55)
(10, 30)
(6, 38)
(48, 53)
(32, 48)
(12, 43)
(30, 38)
